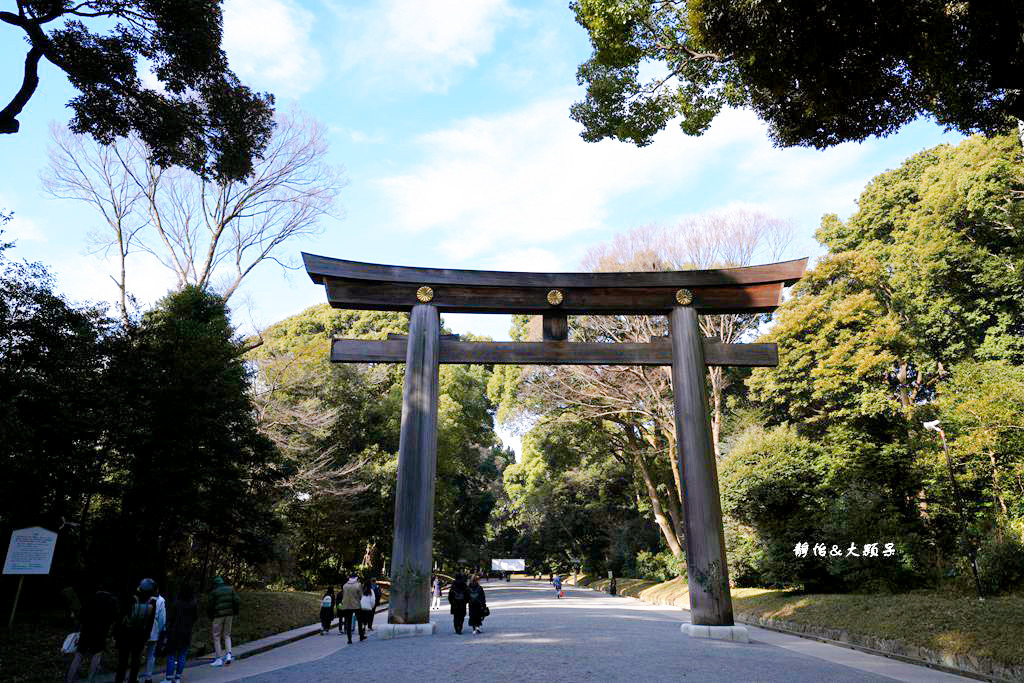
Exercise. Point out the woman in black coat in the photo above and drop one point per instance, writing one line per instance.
(327, 611)
(477, 603)
(457, 596)
(179, 632)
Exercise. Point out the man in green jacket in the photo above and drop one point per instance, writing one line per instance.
(222, 606)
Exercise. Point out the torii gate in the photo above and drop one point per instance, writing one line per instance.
(425, 293)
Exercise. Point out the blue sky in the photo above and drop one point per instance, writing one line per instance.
(451, 120)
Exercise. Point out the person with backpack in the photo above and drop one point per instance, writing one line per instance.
(97, 616)
(222, 607)
(159, 624)
(366, 606)
(557, 582)
(326, 611)
(477, 602)
(457, 600)
(183, 616)
(134, 629)
(351, 593)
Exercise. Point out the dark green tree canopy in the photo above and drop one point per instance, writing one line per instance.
(203, 118)
(817, 73)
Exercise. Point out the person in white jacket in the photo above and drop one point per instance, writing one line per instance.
(159, 624)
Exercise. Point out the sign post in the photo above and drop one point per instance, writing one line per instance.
(30, 552)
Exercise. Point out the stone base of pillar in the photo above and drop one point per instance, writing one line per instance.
(737, 634)
(389, 631)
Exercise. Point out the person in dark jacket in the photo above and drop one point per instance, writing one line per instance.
(179, 632)
(97, 616)
(132, 632)
(457, 598)
(326, 611)
(477, 603)
(222, 608)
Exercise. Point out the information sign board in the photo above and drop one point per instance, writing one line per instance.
(30, 551)
(508, 565)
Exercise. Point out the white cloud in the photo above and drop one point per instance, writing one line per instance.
(519, 184)
(419, 43)
(527, 178)
(268, 45)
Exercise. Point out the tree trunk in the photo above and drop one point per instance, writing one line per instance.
(664, 524)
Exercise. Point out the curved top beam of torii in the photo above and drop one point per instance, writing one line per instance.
(372, 286)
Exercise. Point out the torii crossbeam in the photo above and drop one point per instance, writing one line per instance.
(425, 293)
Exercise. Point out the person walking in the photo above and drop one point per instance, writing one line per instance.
(457, 600)
(222, 607)
(436, 590)
(326, 611)
(477, 603)
(159, 624)
(181, 618)
(97, 616)
(133, 631)
(351, 592)
(557, 583)
(366, 605)
(377, 601)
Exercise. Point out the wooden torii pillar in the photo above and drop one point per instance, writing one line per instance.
(425, 293)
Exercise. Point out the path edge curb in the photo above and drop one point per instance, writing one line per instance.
(969, 666)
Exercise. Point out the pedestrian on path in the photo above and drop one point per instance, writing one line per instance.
(557, 582)
(326, 611)
(222, 607)
(436, 590)
(376, 601)
(349, 604)
(477, 603)
(366, 604)
(181, 618)
(133, 631)
(97, 616)
(159, 624)
(457, 599)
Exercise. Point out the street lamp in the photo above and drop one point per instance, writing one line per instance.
(972, 556)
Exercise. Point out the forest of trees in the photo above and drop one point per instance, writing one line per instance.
(915, 314)
(166, 444)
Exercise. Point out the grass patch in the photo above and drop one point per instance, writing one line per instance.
(938, 620)
(942, 621)
(31, 654)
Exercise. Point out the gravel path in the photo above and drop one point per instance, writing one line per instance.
(586, 636)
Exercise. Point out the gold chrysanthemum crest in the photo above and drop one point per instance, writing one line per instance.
(555, 297)
(684, 297)
(424, 294)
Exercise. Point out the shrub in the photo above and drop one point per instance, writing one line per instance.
(1001, 565)
(662, 566)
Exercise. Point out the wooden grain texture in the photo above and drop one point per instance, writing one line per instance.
(412, 549)
(321, 267)
(453, 351)
(707, 571)
(555, 327)
(461, 298)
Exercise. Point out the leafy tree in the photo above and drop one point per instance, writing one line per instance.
(923, 277)
(202, 118)
(52, 355)
(192, 469)
(569, 497)
(982, 408)
(817, 73)
(339, 427)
